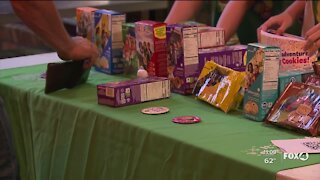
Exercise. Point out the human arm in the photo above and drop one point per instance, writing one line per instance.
(283, 20)
(43, 18)
(232, 16)
(312, 37)
(183, 11)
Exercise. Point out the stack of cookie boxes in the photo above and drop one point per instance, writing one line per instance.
(184, 42)
(271, 66)
(104, 28)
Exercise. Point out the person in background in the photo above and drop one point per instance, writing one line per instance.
(311, 26)
(241, 17)
(42, 17)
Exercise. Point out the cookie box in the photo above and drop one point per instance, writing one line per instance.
(133, 91)
(261, 80)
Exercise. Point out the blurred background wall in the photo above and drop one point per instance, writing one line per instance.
(18, 40)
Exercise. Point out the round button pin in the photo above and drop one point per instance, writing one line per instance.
(155, 110)
(186, 119)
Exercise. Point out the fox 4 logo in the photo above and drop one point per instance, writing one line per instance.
(296, 156)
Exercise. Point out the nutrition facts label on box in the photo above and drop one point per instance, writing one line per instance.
(190, 46)
(154, 90)
(117, 22)
(271, 69)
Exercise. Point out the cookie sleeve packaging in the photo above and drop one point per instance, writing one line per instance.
(297, 108)
(218, 86)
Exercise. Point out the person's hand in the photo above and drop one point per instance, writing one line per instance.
(79, 49)
(313, 39)
(279, 23)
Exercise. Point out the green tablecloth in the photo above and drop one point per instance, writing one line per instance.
(67, 135)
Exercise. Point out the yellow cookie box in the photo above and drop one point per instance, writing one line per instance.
(219, 86)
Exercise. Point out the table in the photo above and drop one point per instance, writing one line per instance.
(67, 135)
(67, 8)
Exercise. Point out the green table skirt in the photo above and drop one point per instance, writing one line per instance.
(67, 135)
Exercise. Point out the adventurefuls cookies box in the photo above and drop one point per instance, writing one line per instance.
(294, 57)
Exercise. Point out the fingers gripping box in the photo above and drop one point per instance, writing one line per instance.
(129, 54)
(151, 47)
(228, 56)
(261, 80)
(85, 22)
(108, 39)
(133, 91)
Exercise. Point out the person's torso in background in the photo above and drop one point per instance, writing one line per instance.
(261, 11)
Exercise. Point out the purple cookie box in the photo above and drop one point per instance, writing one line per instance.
(228, 56)
(184, 76)
(131, 91)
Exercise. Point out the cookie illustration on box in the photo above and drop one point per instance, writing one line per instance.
(251, 108)
(300, 115)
